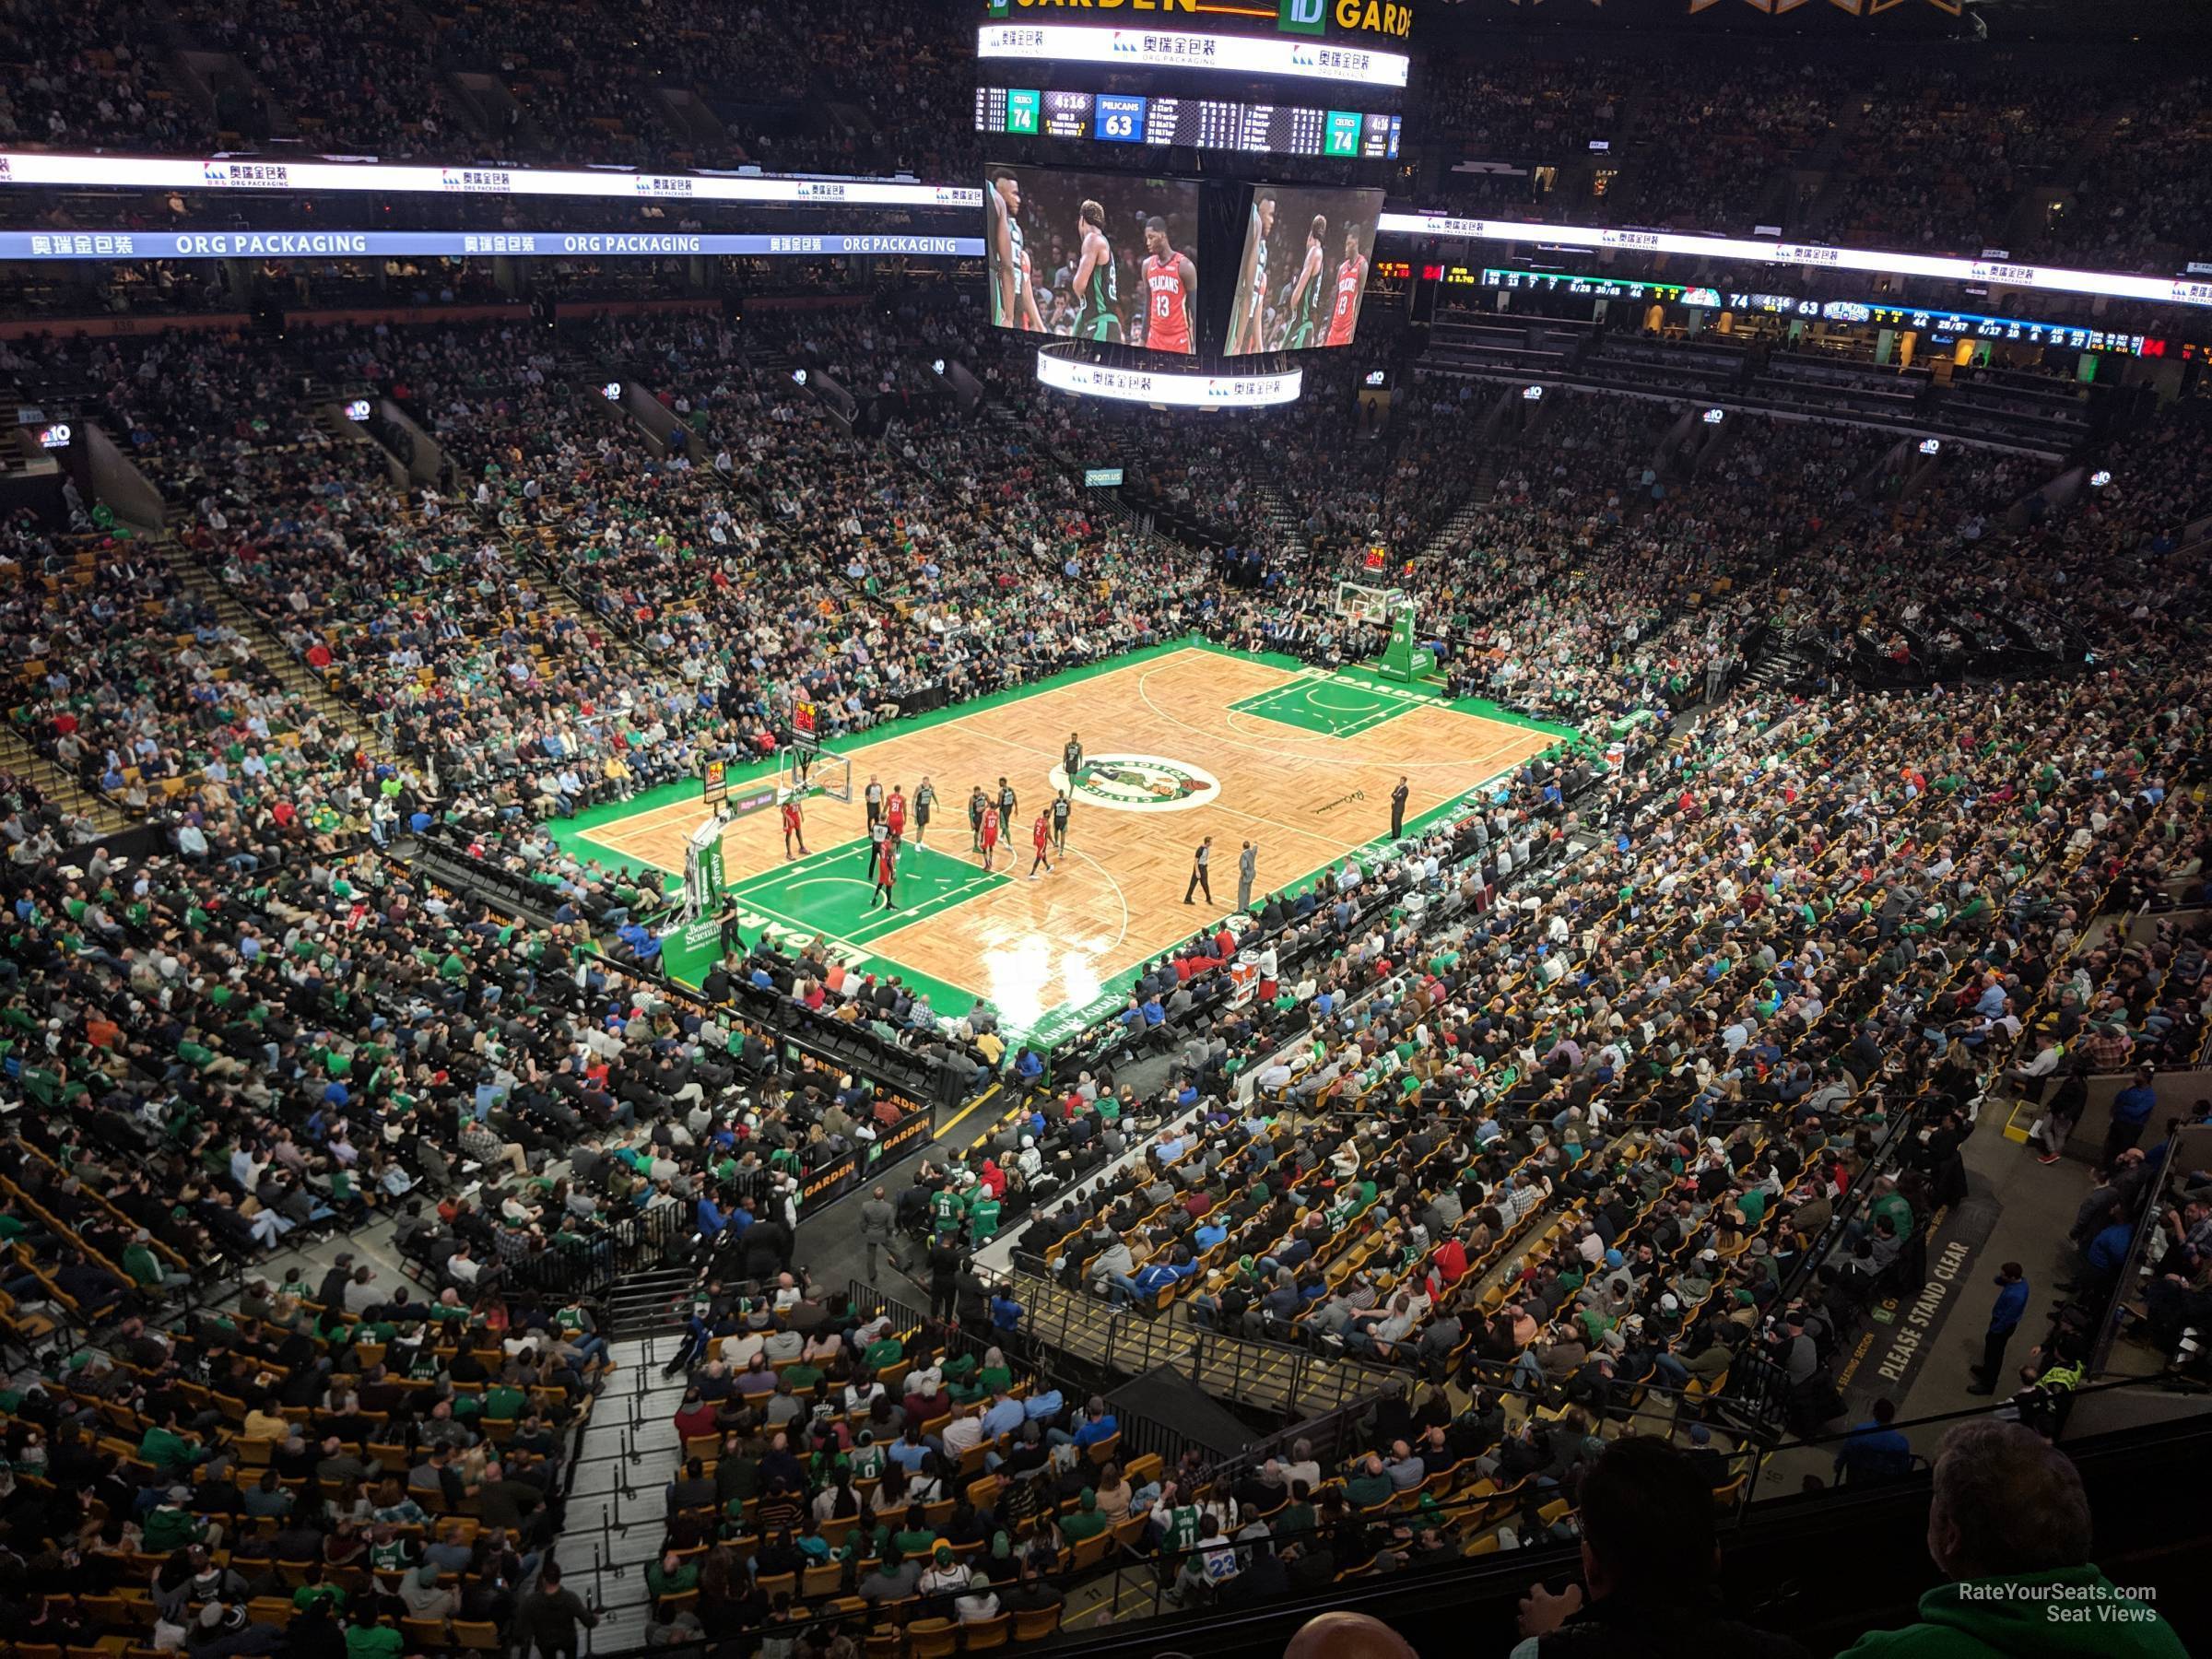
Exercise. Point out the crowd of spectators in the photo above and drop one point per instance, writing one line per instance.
(1637, 1020)
(1974, 149)
(1945, 159)
(562, 82)
(1953, 158)
(2142, 194)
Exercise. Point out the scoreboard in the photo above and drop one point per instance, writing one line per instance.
(1212, 124)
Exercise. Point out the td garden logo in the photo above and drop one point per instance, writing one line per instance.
(1139, 783)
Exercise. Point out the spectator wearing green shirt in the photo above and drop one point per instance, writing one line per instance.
(171, 1525)
(1889, 1201)
(1086, 1522)
(1369, 1484)
(671, 1575)
(503, 1403)
(167, 1447)
(982, 1218)
(915, 1538)
(366, 1638)
(314, 1589)
(944, 1210)
(145, 1269)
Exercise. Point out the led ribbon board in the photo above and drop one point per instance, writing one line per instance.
(458, 244)
(1181, 389)
(2168, 290)
(141, 172)
(1174, 49)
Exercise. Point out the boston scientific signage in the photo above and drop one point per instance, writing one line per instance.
(459, 244)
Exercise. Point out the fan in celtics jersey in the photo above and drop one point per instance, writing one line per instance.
(1302, 308)
(1097, 299)
(1013, 301)
(1180, 1521)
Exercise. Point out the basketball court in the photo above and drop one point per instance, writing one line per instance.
(1181, 742)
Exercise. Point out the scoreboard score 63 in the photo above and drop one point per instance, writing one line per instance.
(1118, 119)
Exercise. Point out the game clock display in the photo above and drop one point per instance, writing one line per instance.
(1215, 124)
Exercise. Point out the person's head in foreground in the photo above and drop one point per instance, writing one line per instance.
(1649, 1558)
(2008, 1509)
(1341, 1635)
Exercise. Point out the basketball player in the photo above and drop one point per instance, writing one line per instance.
(1351, 281)
(1017, 297)
(925, 803)
(872, 795)
(1005, 806)
(998, 245)
(987, 834)
(1245, 334)
(976, 802)
(1171, 288)
(886, 870)
(1041, 837)
(1098, 300)
(1303, 308)
(792, 826)
(1060, 822)
(1071, 758)
(894, 812)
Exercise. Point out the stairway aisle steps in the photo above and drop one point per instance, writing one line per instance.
(291, 673)
(52, 781)
(610, 1533)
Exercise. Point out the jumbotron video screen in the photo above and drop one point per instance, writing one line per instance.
(1303, 268)
(1104, 257)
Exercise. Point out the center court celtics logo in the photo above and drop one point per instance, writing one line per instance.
(1139, 783)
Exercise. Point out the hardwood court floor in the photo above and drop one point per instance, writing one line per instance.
(1046, 952)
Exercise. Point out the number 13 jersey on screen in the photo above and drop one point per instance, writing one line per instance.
(1170, 284)
(1351, 277)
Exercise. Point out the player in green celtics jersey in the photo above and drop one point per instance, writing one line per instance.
(1301, 311)
(998, 243)
(1247, 332)
(1097, 317)
(1013, 300)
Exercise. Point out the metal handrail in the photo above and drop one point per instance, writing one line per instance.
(2147, 1224)
(1133, 1344)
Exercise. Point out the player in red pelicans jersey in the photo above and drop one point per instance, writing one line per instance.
(989, 835)
(1351, 276)
(1171, 284)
